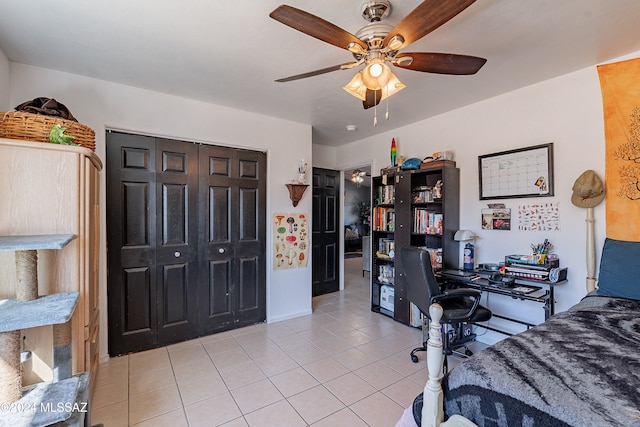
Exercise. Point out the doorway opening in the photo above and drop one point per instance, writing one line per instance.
(356, 222)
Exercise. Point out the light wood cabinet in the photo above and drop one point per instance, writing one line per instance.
(53, 189)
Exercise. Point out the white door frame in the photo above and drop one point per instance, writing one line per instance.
(345, 172)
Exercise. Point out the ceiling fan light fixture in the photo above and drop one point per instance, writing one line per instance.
(375, 70)
(357, 176)
(393, 86)
(356, 88)
(376, 74)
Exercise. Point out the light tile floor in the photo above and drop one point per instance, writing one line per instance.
(341, 366)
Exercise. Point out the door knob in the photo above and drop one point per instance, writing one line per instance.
(221, 250)
(176, 254)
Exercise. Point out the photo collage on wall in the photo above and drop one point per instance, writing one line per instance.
(496, 217)
(291, 240)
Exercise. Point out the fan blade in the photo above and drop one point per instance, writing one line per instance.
(372, 98)
(425, 18)
(346, 65)
(441, 63)
(315, 27)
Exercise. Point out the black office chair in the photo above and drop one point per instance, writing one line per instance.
(459, 305)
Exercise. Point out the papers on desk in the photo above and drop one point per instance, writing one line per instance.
(537, 294)
(524, 289)
(460, 273)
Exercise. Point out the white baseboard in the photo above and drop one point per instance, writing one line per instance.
(290, 316)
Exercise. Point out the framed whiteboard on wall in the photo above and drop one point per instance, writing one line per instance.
(523, 172)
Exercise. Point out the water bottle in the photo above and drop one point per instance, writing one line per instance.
(468, 262)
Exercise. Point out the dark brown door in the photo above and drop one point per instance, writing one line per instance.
(158, 208)
(131, 237)
(326, 191)
(176, 240)
(152, 241)
(232, 221)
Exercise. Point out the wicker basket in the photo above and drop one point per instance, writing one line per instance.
(36, 127)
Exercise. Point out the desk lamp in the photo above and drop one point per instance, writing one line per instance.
(467, 236)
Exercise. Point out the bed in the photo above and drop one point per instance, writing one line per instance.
(579, 368)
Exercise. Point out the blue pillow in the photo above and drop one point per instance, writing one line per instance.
(620, 269)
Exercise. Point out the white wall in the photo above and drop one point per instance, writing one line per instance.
(102, 105)
(4, 82)
(566, 111)
(324, 157)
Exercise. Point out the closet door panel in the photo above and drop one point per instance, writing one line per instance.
(136, 221)
(131, 236)
(235, 193)
(137, 300)
(177, 240)
(219, 289)
(219, 201)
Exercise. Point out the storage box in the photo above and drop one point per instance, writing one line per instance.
(437, 164)
(386, 297)
(526, 260)
(390, 171)
(467, 331)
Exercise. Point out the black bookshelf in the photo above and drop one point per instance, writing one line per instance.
(426, 213)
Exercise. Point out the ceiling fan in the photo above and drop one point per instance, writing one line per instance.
(357, 176)
(378, 43)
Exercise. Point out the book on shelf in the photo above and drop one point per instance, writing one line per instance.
(386, 273)
(422, 195)
(426, 221)
(436, 258)
(386, 195)
(383, 218)
(437, 224)
(386, 248)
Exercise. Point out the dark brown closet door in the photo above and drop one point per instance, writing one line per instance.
(185, 238)
(177, 240)
(232, 244)
(131, 241)
(152, 241)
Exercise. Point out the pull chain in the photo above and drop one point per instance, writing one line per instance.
(375, 109)
(386, 116)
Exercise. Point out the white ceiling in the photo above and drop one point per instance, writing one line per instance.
(230, 52)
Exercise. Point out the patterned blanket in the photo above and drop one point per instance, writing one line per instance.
(579, 368)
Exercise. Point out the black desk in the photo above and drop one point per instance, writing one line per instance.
(479, 279)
